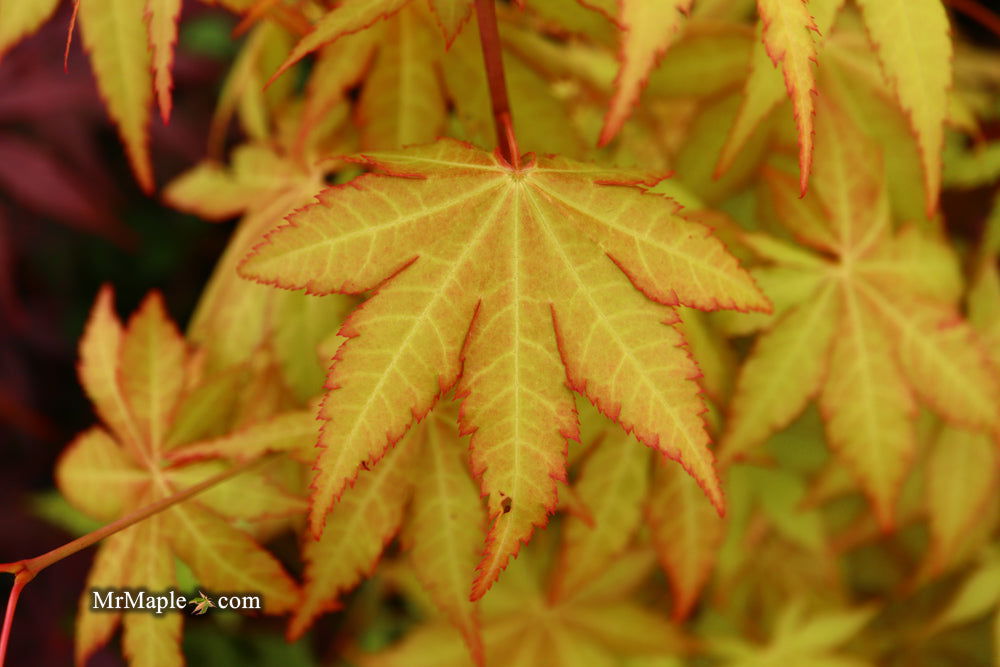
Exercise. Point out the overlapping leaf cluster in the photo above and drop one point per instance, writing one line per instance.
(507, 343)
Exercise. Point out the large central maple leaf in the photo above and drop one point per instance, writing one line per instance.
(514, 286)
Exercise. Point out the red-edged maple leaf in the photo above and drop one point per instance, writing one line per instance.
(601, 623)
(788, 33)
(874, 327)
(647, 31)
(422, 490)
(397, 44)
(20, 19)
(143, 384)
(508, 284)
(619, 488)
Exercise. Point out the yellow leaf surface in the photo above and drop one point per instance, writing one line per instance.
(226, 558)
(100, 352)
(366, 519)
(890, 331)
(613, 484)
(961, 477)
(294, 432)
(149, 639)
(869, 408)
(562, 271)
(138, 377)
(648, 30)
(97, 477)
(110, 570)
(451, 15)
(784, 372)
(347, 17)
(444, 529)
(800, 639)
(115, 36)
(402, 102)
(161, 18)
(21, 19)
(523, 626)
(686, 534)
(152, 357)
(914, 46)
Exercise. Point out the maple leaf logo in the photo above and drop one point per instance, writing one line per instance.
(202, 603)
(515, 287)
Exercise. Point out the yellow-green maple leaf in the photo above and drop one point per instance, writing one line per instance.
(599, 624)
(961, 480)
(137, 378)
(648, 30)
(786, 38)
(799, 639)
(20, 19)
(877, 327)
(422, 490)
(162, 17)
(509, 284)
(619, 488)
(914, 46)
(115, 36)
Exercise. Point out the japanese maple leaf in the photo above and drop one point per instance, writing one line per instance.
(870, 323)
(131, 47)
(601, 623)
(142, 382)
(799, 639)
(395, 47)
(648, 29)
(911, 38)
(514, 286)
(788, 32)
(422, 490)
(619, 488)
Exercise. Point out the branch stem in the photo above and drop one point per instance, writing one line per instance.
(977, 12)
(489, 37)
(8, 617)
(26, 570)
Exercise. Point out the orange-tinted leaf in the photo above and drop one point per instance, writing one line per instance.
(114, 33)
(346, 18)
(110, 570)
(445, 528)
(151, 639)
(686, 534)
(451, 15)
(783, 373)
(613, 483)
(961, 477)
(20, 19)
(402, 102)
(227, 559)
(366, 518)
(152, 371)
(789, 37)
(482, 256)
(97, 477)
(648, 30)
(100, 354)
(869, 408)
(294, 432)
(914, 47)
(162, 17)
